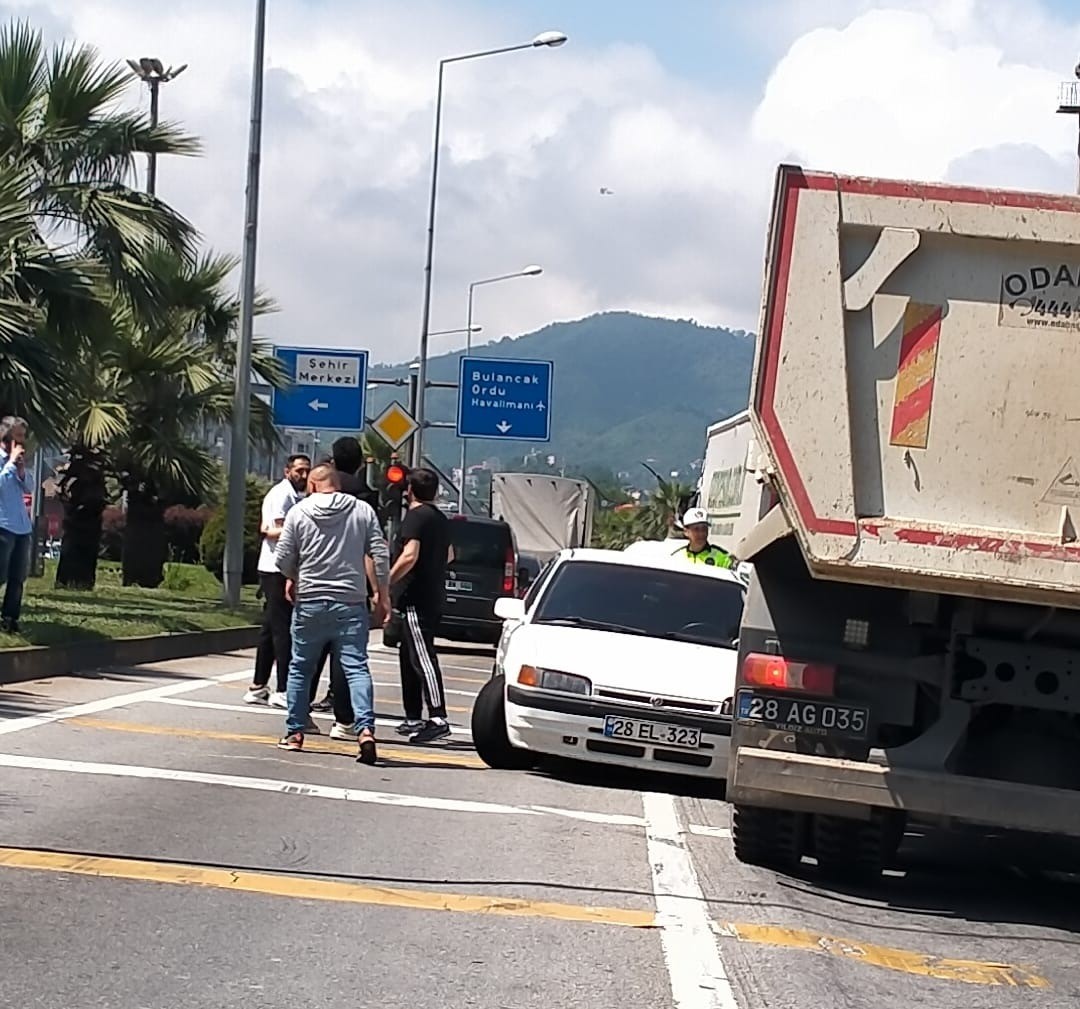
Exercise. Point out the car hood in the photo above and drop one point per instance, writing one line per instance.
(628, 662)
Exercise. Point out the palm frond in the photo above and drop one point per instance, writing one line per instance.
(22, 80)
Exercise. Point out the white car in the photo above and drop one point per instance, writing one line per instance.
(615, 658)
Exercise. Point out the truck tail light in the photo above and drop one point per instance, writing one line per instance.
(774, 672)
(509, 574)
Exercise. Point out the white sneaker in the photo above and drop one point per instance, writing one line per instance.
(346, 732)
(257, 695)
(278, 700)
(312, 729)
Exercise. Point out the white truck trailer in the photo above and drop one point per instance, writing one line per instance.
(910, 647)
(730, 491)
(546, 513)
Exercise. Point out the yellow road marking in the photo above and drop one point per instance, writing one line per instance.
(299, 887)
(302, 888)
(315, 744)
(902, 960)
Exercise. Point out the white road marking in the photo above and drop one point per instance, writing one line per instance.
(442, 665)
(704, 830)
(301, 788)
(692, 957)
(260, 709)
(117, 701)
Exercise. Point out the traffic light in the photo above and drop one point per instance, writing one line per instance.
(392, 493)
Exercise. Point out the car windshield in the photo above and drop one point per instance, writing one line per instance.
(652, 602)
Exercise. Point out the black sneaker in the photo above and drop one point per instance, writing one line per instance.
(430, 732)
(11, 626)
(326, 704)
(410, 727)
(367, 753)
(293, 741)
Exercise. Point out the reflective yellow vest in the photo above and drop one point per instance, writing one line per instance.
(713, 556)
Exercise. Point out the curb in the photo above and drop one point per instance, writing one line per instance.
(19, 665)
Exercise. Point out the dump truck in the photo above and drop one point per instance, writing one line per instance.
(910, 647)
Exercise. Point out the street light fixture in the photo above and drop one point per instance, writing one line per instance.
(452, 332)
(529, 271)
(153, 73)
(549, 40)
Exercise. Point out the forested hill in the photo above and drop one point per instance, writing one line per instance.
(627, 388)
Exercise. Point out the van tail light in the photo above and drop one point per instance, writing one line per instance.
(774, 672)
(510, 574)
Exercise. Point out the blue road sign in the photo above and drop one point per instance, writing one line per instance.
(504, 399)
(328, 391)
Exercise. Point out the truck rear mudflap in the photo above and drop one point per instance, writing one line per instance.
(772, 778)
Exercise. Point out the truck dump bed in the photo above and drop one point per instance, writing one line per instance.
(917, 384)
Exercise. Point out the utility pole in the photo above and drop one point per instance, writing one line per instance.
(1069, 105)
(153, 74)
(241, 419)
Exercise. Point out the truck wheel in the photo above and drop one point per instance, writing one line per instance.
(856, 850)
(489, 730)
(766, 837)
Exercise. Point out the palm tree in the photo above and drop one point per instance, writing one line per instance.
(152, 387)
(665, 508)
(75, 237)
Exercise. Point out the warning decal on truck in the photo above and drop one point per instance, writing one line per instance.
(1042, 297)
(1065, 490)
(915, 376)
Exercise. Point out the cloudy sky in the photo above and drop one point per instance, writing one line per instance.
(682, 109)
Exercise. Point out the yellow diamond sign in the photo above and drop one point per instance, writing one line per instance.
(395, 425)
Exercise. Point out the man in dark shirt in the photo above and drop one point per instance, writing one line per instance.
(418, 586)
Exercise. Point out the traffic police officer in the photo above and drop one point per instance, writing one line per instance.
(700, 550)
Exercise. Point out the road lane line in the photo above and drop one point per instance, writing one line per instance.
(315, 744)
(262, 709)
(118, 701)
(302, 788)
(695, 968)
(901, 960)
(701, 829)
(303, 888)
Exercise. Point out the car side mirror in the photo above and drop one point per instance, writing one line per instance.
(510, 608)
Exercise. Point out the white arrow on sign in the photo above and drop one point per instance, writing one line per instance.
(502, 427)
(317, 405)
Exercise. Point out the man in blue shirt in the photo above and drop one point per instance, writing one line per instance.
(15, 525)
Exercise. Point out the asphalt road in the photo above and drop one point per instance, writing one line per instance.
(158, 852)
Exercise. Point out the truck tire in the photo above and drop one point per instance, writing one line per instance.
(856, 850)
(766, 837)
(489, 730)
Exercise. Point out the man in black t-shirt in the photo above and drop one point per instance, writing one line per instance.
(418, 588)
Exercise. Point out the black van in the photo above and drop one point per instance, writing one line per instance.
(483, 566)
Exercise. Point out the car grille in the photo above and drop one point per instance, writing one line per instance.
(665, 703)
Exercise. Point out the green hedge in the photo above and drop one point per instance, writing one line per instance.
(212, 541)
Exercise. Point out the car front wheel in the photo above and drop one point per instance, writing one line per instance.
(489, 730)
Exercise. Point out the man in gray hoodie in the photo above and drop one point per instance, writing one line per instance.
(321, 552)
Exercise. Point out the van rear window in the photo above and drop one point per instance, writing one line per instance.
(479, 546)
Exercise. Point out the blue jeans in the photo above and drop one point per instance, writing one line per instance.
(344, 627)
(14, 567)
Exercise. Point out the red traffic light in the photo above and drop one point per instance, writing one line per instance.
(395, 473)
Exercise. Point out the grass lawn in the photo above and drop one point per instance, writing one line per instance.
(189, 600)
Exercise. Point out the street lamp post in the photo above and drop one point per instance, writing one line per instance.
(529, 271)
(544, 40)
(153, 74)
(241, 419)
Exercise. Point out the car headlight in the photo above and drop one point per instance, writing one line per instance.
(551, 679)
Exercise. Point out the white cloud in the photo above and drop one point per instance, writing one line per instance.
(960, 89)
